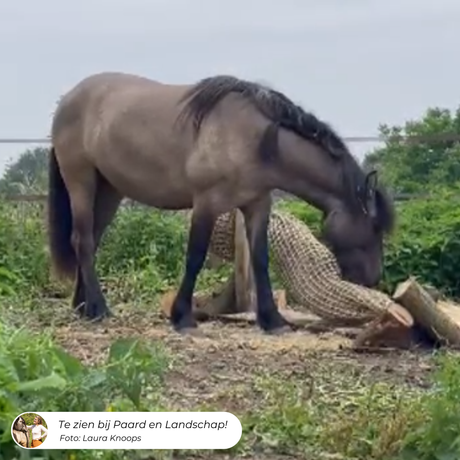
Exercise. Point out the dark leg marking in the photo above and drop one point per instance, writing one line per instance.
(256, 216)
(198, 243)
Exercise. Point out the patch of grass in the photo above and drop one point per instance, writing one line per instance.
(378, 422)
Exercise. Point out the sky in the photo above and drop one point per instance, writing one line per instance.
(354, 63)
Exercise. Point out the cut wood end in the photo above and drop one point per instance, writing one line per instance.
(387, 332)
(402, 287)
(401, 315)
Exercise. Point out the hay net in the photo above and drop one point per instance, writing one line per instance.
(308, 270)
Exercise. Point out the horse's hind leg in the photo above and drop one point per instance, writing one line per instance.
(82, 187)
(202, 225)
(256, 216)
(107, 201)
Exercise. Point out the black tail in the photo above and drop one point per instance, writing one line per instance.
(59, 221)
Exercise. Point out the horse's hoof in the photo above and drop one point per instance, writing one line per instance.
(80, 309)
(93, 313)
(190, 332)
(279, 330)
(99, 318)
(184, 322)
(274, 324)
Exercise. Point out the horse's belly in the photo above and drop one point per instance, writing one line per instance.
(150, 185)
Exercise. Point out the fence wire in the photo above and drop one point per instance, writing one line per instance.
(442, 137)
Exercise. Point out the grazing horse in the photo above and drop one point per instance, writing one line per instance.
(219, 144)
(21, 432)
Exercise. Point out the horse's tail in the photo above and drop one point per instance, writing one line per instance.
(59, 221)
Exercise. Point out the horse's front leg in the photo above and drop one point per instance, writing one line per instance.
(202, 225)
(256, 217)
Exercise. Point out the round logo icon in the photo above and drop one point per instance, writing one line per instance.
(29, 430)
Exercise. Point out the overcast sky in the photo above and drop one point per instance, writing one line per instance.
(355, 63)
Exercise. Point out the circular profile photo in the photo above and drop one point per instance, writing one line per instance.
(29, 430)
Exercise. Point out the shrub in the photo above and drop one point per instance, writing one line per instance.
(23, 251)
(145, 239)
(426, 244)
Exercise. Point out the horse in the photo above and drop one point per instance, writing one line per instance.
(218, 144)
(21, 432)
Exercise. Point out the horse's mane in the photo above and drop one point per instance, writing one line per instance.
(203, 97)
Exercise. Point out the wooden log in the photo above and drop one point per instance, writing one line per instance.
(245, 294)
(426, 313)
(451, 309)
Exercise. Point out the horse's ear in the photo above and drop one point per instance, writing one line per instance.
(371, 183)
(371, 180)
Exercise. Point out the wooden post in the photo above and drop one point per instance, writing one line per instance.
(245, 294)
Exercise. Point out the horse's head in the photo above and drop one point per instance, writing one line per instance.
(20, 424)
(355, 233)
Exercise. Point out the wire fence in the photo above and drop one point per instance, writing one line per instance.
(441, 137)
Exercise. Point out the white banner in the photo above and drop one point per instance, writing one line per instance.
(138, 430)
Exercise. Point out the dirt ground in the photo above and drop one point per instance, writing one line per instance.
(218, 366)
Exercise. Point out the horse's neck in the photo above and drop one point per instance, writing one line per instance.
(308, 172)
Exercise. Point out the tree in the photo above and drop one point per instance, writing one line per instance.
(28, 174)
(427, 158)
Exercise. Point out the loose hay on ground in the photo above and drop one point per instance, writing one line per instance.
(91, 342)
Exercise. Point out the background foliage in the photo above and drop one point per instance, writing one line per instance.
(424, 162)
(30, 417)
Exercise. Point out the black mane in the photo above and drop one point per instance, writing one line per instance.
(202, 98)
(208, 92)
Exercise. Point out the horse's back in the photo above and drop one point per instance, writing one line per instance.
(116, 89)
(123, 126)
(114, 104)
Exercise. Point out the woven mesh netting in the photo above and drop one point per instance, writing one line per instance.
(307, 269)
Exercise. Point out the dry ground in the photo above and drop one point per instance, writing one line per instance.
(222, 368)
(219, 367)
